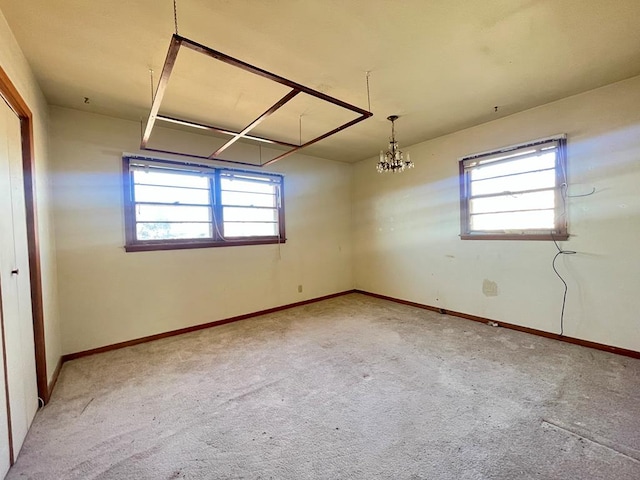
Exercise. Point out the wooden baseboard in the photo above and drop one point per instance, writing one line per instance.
(150, 338)
(533, 331)
(53, 381)
(475, 318)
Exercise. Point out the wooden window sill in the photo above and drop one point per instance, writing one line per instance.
(182, 245)
(515, 236)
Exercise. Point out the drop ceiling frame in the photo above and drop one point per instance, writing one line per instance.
(177, 42)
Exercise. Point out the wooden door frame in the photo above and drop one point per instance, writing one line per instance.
(15, 100)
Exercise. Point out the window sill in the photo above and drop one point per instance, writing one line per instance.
(559, 237)
(182, 245)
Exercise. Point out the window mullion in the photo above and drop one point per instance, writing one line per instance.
(174, 204)
(216, 200)
(498, 212)
(510, 193)
(515, 174)
(500, 156)
(257, 207)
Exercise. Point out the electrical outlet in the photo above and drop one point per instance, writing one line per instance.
(299, 288)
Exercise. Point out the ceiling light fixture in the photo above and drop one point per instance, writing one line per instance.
(393, 159)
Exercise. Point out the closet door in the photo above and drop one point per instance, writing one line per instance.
(17, 317)
(5, 227)
(5, 459)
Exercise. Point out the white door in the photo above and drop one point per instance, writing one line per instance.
(4, 424)
(15, 286)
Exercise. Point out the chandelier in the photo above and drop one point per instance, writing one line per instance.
(393, 159)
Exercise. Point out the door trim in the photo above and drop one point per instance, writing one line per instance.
(15, 100)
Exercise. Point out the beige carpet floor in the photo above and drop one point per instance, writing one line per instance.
(348, 388)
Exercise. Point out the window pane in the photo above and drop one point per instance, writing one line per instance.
(232, 229)
(172, 213)
(233, 214)
(170, 179)
(540, 162)
(523, 201)
(525, 181)
(248, 199)
(246, 186)
(168, 231)
(147, 193)
(541, 220)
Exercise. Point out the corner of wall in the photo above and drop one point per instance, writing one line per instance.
(17, 68)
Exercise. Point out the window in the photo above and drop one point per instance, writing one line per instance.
(515, 193)
(169, 205)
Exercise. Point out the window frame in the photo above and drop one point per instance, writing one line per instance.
(559, 232)
(133, 244)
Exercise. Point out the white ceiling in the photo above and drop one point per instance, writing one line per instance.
(442, 65)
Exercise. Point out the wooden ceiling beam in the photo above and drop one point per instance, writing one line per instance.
(172, 54)
(177, 42)
(256, 122)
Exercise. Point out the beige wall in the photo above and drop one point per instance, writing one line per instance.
(15, 65)
(109, 296)
(405, 234)
(406, 226)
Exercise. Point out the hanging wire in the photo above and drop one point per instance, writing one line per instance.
(368, 92)
(563, 216)
(300, 129)
(566, 287)
(564, 195)
(153, 96)
(565, 189)
(215, 223)
(212, 185)
(175, 15)
(593, 190)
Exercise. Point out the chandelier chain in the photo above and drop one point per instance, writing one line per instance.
(175, 15)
